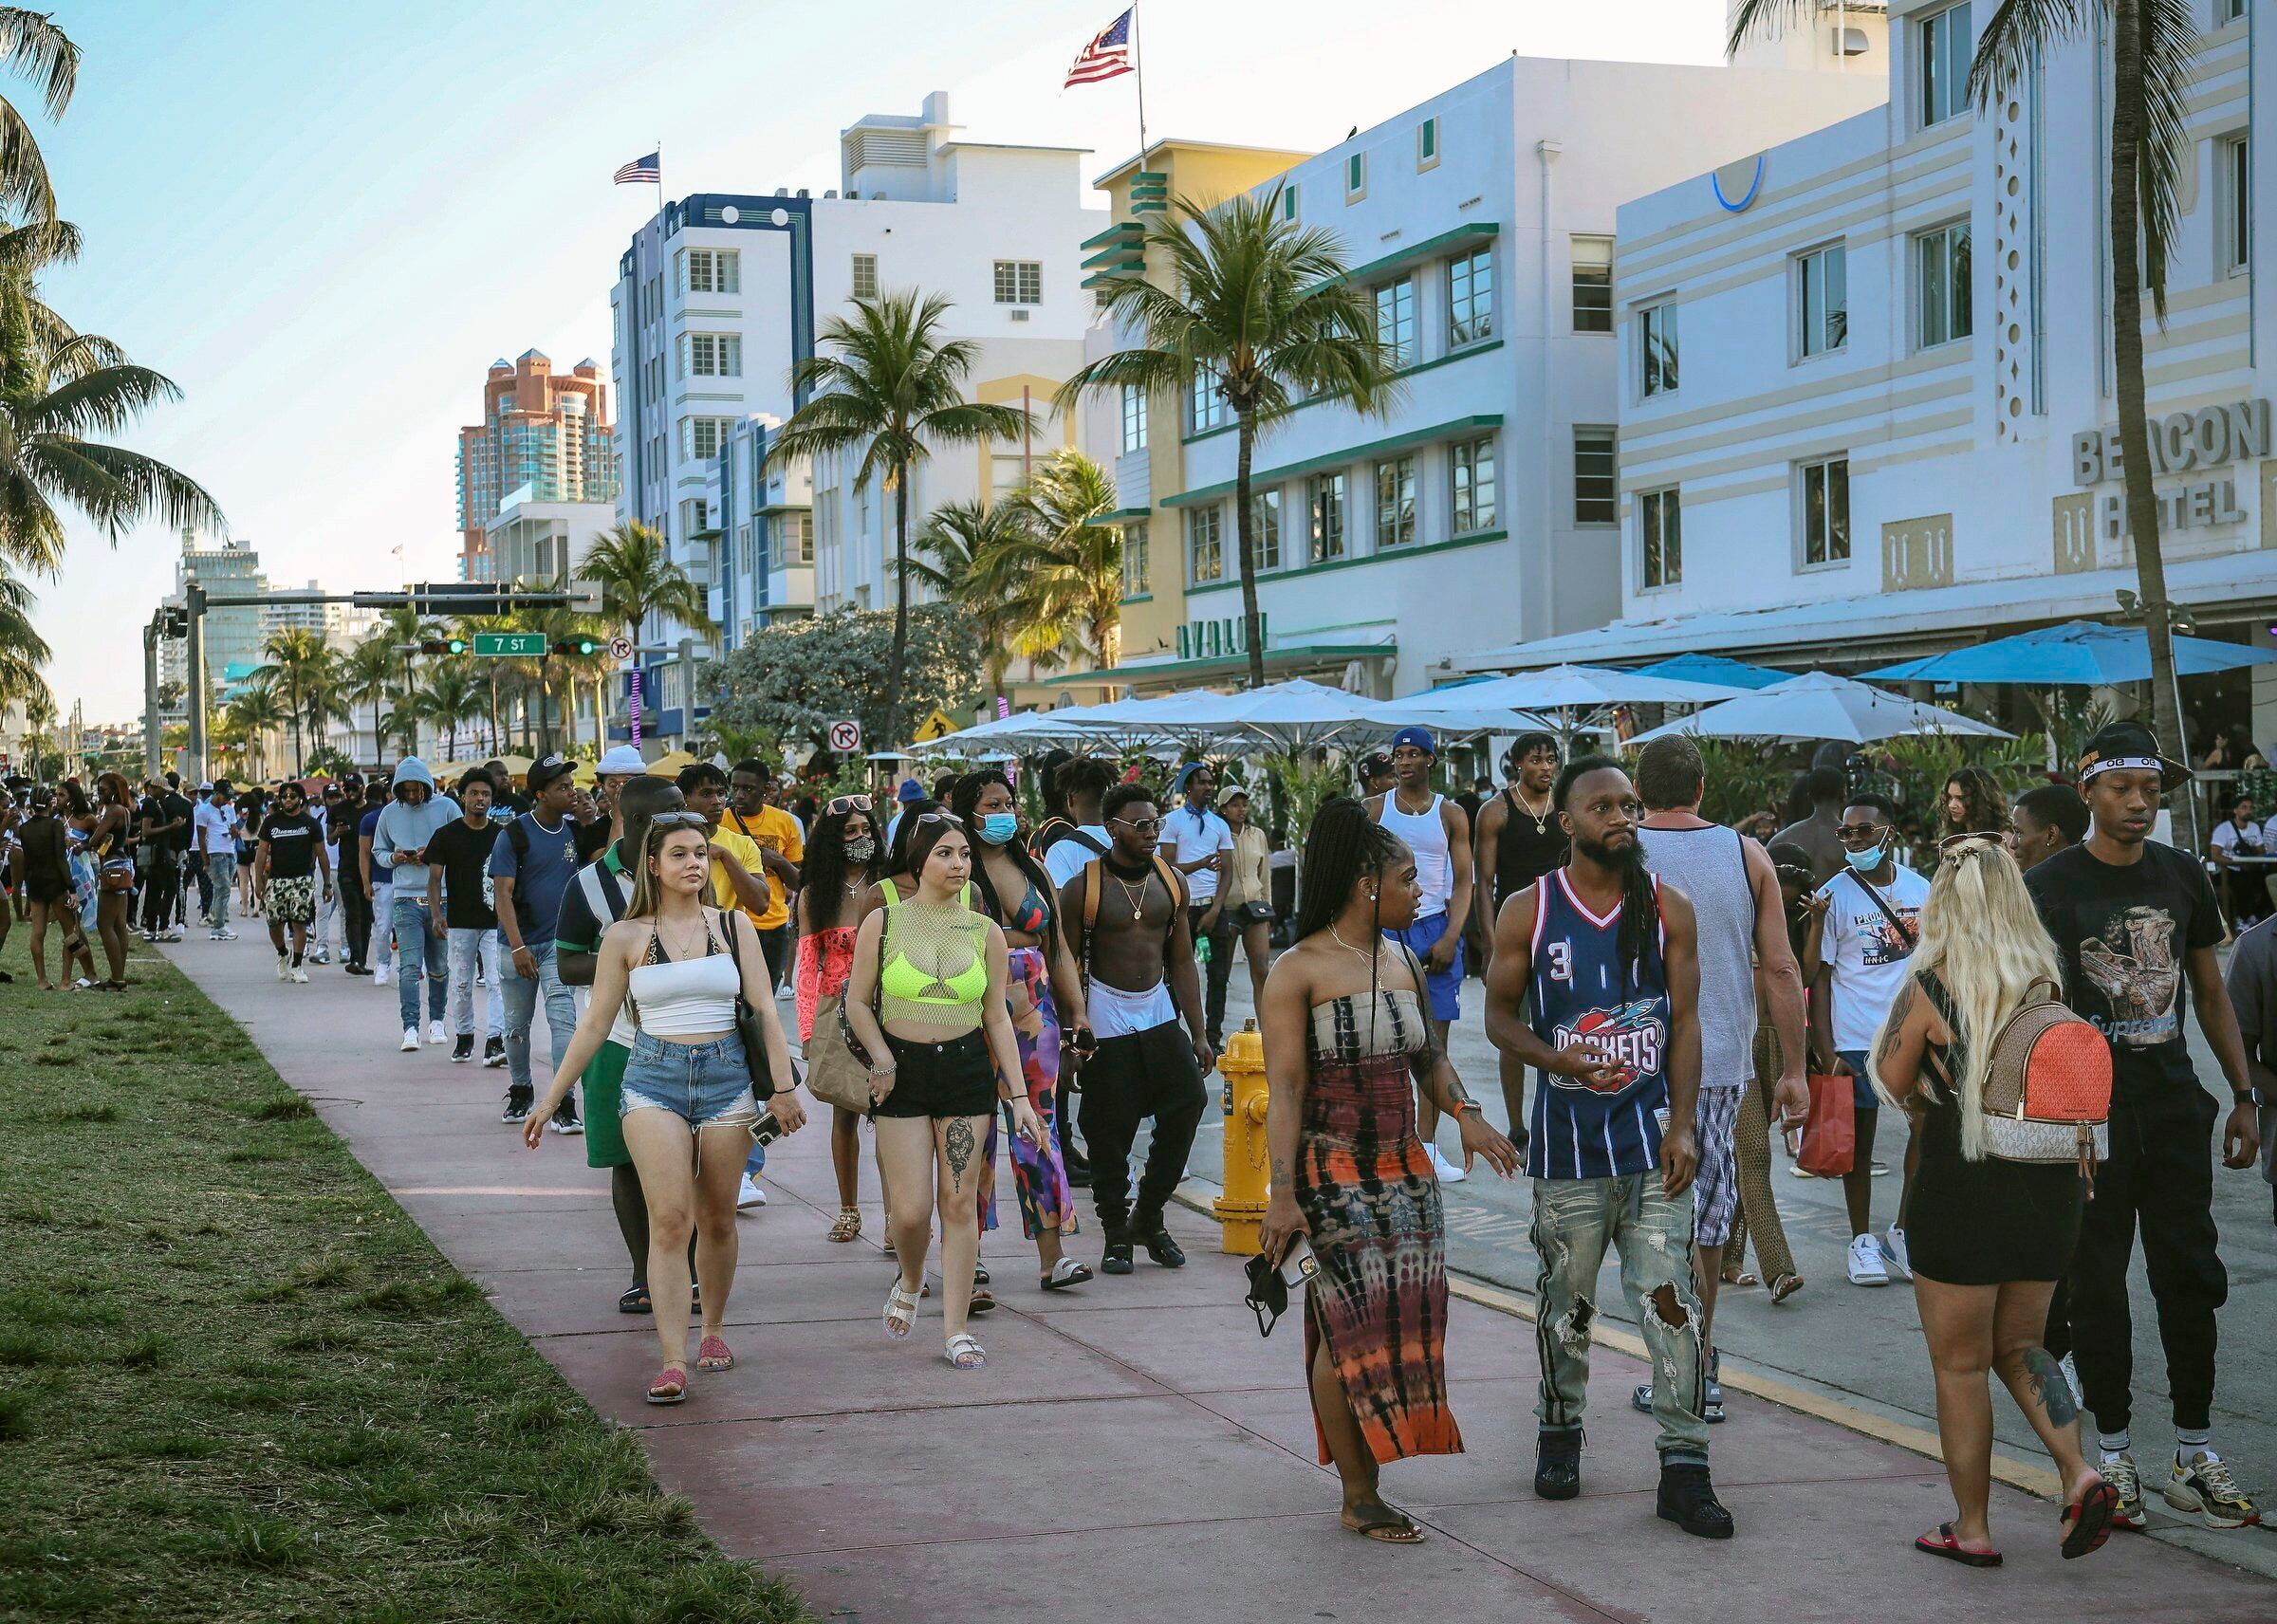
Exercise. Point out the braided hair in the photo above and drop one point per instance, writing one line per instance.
(1638, 939)
(1343, 844)
(964, 800)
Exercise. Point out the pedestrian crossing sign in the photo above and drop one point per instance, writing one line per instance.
(936, 726)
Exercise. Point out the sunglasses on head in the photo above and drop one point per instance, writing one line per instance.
(1995, 836)
(679, 821)
(925, 818)
(848, 803)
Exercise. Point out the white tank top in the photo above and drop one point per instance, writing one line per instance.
(687, 999)
(1426, 836)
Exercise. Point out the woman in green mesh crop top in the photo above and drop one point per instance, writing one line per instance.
(926, 1000)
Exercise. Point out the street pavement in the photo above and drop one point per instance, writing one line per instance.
(1134, 1449)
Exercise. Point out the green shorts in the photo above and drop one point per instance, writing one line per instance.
(604, 1129)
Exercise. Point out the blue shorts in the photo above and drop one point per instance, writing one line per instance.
(1862, 1087)
(706, 1085)
(1446, 987)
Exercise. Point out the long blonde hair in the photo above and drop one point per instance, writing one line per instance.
(648, 895)
(1982, 938)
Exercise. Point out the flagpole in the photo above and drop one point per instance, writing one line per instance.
(660, 177)
(1138, 68)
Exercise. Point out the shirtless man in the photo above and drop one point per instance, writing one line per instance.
(1136, 946)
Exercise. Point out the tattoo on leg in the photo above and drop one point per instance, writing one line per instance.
(957, 1140)
(2049, 1386)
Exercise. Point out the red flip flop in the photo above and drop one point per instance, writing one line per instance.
(2089, 1522)
(1944, 1544)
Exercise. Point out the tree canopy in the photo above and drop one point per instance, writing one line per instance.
(794, 680)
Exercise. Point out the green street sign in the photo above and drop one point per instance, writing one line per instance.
(512, 644)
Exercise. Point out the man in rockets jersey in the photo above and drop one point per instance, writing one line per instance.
(1610, 958)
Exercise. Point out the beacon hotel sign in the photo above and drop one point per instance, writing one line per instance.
(2202, 446)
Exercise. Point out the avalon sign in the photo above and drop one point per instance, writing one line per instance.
(2213, 437)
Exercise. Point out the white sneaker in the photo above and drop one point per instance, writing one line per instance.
(225, 934)
(749, 1194)
(379, 976)
(1448, 1172)
(1893, 1254)
(411, 1040)
(321, 955)
(174, 936)
(1866, 1265)
(284, 970)
(299, 976)
(436, 1033)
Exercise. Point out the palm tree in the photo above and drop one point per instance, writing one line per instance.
(969, 556)
(252, 711)
(2153, 48)
(471, 626)
(23, 651)
(453, 694)
(38, 716)
(885, 388)
(32, 46)
(1257, 308)
(398, 630)
(296, 659)
(631, 567)
(1073, 563)
(367, 674)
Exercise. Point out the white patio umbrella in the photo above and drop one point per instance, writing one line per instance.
(1587, 688)
(1292, 715)
(1027, 727)
(1819, 704)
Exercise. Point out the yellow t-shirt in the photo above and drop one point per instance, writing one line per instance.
(744, 852)
(778, 831)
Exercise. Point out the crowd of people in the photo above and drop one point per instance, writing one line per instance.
(968, 985)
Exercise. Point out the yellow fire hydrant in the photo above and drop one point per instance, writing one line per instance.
(1241, 1208)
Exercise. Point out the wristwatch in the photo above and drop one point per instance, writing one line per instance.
(1463, 1106)
(2247, 1097)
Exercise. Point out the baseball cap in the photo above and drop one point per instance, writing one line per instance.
(621, 761)
(910, 790)
(546, 768)
(1419, 737)
(1228, 791)
(1374, 764)
(2129, 745)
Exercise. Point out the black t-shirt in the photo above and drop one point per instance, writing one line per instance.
(592, 839)
(2124, 936)
(291, 839)
(150, 812)
(463, 856)
(178, 807)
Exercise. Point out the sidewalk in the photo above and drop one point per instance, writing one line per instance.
(1160, 1463)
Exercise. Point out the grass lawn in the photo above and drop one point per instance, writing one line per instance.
(237, 1383)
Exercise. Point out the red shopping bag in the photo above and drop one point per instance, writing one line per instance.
(1830, 1133)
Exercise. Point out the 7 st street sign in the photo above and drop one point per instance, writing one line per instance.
(524, 645)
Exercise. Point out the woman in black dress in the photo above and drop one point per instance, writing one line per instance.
(1989, 1238)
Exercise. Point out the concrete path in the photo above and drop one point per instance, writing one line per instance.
(1134, 1450)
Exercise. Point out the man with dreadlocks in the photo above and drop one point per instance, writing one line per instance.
(1610, 957)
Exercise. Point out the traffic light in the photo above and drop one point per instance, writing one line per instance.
(576, 646)
(444, 646)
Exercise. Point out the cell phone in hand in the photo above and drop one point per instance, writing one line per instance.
(766, 1130)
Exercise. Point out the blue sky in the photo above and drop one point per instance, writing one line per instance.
(324, 219)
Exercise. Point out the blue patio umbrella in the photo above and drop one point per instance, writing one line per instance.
(2078, 654)
(1716, 668)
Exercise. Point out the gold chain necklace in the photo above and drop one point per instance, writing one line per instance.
(1541, 819)
(1138, 897)
(1365, 956)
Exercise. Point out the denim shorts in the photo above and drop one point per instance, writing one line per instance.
(706, 1085)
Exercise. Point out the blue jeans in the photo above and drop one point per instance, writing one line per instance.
(221, 870)
(418, 948)
(521, 1004)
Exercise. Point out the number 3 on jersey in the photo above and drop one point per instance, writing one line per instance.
(1561, 961)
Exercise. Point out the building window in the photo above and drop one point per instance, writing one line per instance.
(1205, 406)
(1660, 530)
(696, 516)
(1822, 300)
(1942, 261)
(1592, 284)
(1396, 321)
(1946, 41)
(1288, 202)
(1473, 465)
(1657, 344)
(1827, 512)
(1134, 418)
(798, 538)
(1205, 545)
(1595, 492)
(1137, 567)
(1356, 176)
(1019, 281)
(1328, 517)
(1264, 527)
(2235, 159)
(1395, 502)
(2228, 11)
(1471, 298)
(866, 276)
(710, 355)
(1427, 143)
(709, 270)
(700, 437)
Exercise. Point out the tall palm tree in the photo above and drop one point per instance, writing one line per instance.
(887, 390)
(453, 694)
(1073, 562)
(38, 716)
(296, 658)
(631, 566)
(2153, 48)
(967, 556)
(368, 675)
(255, 711)
(23, 651)
(400, 630)
(1257, 308)
(471, 626)
(32, 46)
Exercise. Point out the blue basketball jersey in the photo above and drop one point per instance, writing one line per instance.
(1581, 995)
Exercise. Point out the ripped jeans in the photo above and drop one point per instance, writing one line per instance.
(1574, 1219)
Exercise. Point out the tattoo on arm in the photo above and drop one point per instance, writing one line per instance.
(2049, 1386)
(1282, 1176)
(1900, 1008)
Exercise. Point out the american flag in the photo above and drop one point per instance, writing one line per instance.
(644, 171)
(1105, 57)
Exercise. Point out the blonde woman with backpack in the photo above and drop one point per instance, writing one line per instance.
(1993, 1225)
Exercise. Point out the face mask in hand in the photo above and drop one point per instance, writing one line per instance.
(998, 828)
(861, 851)
(1866, 862)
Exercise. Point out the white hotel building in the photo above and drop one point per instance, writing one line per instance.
(720, 295)
(1479, 508)
(1862, 374)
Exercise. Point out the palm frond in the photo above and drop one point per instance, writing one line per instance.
(32, 46)
(100, 402)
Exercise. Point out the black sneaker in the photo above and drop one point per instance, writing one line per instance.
(564, 1118)
(463, 1050)
(493, 1051)
(1117, 1259)
(1688, 1500)
(1557, 1466)
(1158, 1244)
(517, 1105)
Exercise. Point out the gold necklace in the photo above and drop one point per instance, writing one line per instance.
(1365, 956)
(1541, 819)
(1138, 897)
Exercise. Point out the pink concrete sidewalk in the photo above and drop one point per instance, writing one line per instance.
(1134, 1450)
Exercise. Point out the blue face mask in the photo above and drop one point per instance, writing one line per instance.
(1866, 862)
(998, 828)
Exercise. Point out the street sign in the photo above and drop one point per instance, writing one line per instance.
(620, 647)
(514, 644)
(846, 737)
(936, 726)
